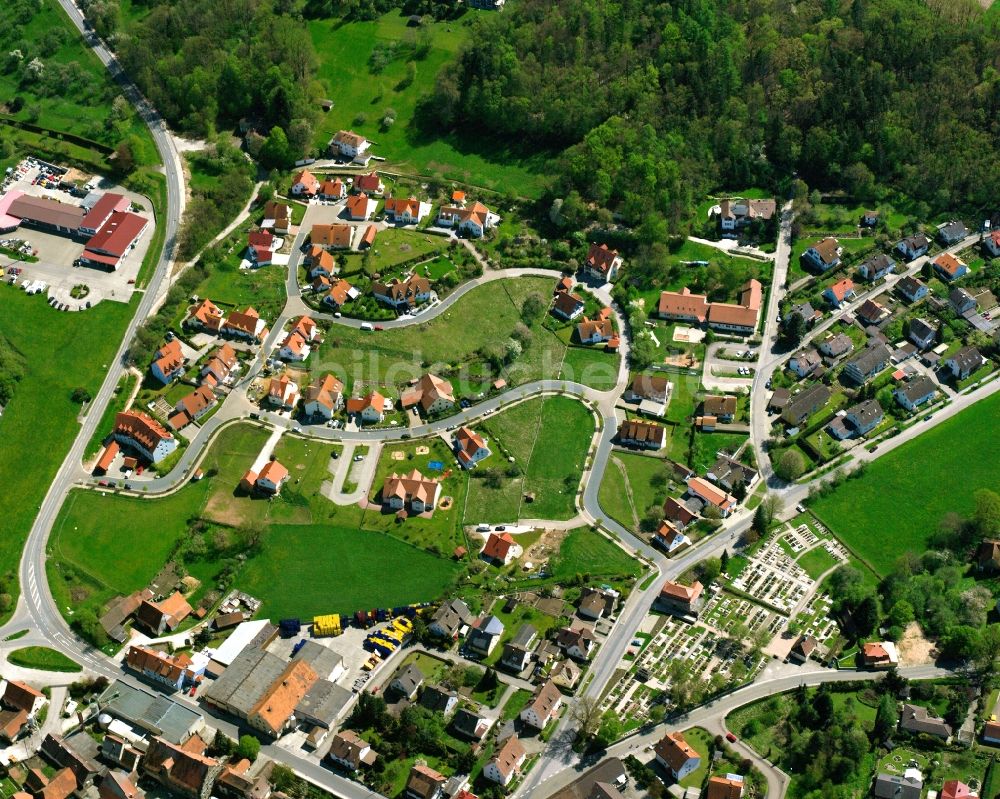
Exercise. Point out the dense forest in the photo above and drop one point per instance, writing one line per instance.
(655, 104)
(206, 64)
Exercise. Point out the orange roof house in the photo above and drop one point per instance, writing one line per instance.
(676, 754)
(305, 182)
(712, 494)
(166, 614)
(207, 315)
(357, 207)
(602, 261)
(500, 547)
(337, 236)
(727, 787)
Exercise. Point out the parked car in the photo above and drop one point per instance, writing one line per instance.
(730, 737)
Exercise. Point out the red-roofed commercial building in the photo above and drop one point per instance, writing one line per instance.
(740, 318)
(107, 205)
(114, 240)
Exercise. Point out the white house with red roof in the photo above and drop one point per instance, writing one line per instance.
(370, 408)
(334, 189)
(602, 263)
(304, 183)
(349, 144)
(474, 220)
(500, 548)
(405, 210)
(370, 183)
(282, 392)
(296, 346)
(272, 477)
(168, 362)
(712, 495)
(841, 291)
(143, 433)
(470, 447)
(359, 207)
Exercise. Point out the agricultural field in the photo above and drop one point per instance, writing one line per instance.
(390, 67)
(548, 438)
(454, 341)
(866, 513)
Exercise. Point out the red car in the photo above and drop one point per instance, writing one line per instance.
(379, 327)
(730, 737)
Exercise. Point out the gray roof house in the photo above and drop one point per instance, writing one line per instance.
(805, 404)
(860, 419)
(915, 718)
(470, 724)
(408, 681)
(485, 636)
(964, 362)
(922, 333)
(449, 618)
(439, 699)
(517, 652)
(952, 232)
(892, 786)
(915, 393)
(867, 363)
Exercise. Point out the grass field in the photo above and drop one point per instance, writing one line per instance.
(262, 288)
(548, 439)
(362, 96)
(450, 344)
(118, 401)
(312, 569)
(61, 352)
(42, 658)
(395, 246)
(938, 472)
(631, 484)
(816, 561)
(587, 552)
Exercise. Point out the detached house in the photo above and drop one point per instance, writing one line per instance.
(804, 404)
(962, 301)
(712, 495)
(332, 189)
(183, 770)
(370, 408)
(911, 289)
(323, 398)
(676, 755)
(484, 637)
(876, 267)
(407, 211)
(840, 292)
(991, 243)
(348, 144)
(915, 393)
(166, 614)
(543, 707)
(824, 255)
(411, 491)
(964, 362)
(282, 392)
(871, 313)
(192, 407)
(650, 392)
(304, 183)
(369, 184)
(470, 447)
(835, 345)
(866, 364)
(948, 267)
(246, 325)
(602, 263)
(449, 619)
(859, 420)
(359, 207)
(596, 331)
(168, 362)
(879, 655)
(470, 724)
(21, 703)
(952, 233)
(916, 719)
(517, 652)
(567, 306)
(431, 393)
(506, 762)
(578, 643)
(350, 751)
(424, 783)
(341, 292)
(207, 316)
(277, 217)
(912, 247)
(804, 363)
(922, 333)
(272, 477)
(413, 291)
(221, 364)
(680, 600)
(474, 220)
(669, 538)
(500, 548)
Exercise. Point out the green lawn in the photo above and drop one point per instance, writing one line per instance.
(316, 557)
(816, 561)
(806, 240)
(484, 317)
(395, 246)
(91, 561)
(548, 439)
(938, 472)
(517, 702)
(593, 366)
(643, 482)
(312, 569)
(584, 551)
(701, 741)
(118, 401)
(262, 288)
(361, 97)
(61, 352)
(42, 658)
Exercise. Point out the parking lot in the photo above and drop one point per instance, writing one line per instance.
(57, 253)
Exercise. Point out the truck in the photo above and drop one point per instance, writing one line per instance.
(289, 627)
